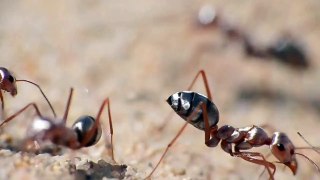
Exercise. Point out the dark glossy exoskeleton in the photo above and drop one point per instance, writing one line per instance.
(86, 130)
(185, 102)
(44, 129)
(83, 126)
(199, 111)
(8, 84)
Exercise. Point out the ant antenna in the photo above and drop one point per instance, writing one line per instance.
(316, 149)
(317, 167)
(23, 80)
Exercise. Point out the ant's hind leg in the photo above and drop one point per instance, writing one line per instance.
(193, 114)
(97, 124)
(66, 111)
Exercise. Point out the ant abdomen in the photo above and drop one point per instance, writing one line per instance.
(83, 126)
(186, 102)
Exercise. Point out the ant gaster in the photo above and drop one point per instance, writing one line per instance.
(85, 132)
(200, 111)
(8, 84)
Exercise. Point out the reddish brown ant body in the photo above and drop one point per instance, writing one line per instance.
(8, 84)
(200, 111)
(85, 132)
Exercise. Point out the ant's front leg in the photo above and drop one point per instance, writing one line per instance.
(34, 105)
(249, 156)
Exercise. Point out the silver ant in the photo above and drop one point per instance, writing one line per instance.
(8, 84)
(200, 111)
(86, 130)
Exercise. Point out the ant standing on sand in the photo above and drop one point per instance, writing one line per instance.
(200, 111)
(85, 132)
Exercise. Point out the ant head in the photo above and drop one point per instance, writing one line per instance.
(8, 81)
(283, 149)
(83, 126)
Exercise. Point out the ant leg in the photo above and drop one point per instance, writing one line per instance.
(264, 169)
(20, 111)
(2, 101)
(194, 113)
(2, 105)
(206, 84)
(23, 80)
(209, 133)
(66, 112)
(97, 123)
(248, 156)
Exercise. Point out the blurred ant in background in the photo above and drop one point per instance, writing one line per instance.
(86, 130)
(200, 111)
(8, 84)
(286, 50)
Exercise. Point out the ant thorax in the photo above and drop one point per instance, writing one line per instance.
(44, 129)
(40, 124)
(185, 104)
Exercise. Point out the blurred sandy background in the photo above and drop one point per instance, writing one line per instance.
(140, 52)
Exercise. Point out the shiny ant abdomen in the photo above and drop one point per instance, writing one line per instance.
(85, 132)
(200, 111)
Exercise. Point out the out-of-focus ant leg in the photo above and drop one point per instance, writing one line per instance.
(66, 112)
(91, 133)
(34, 105)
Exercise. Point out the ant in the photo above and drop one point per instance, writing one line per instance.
(8, 84)
(86, 130)
(200, 111)
(285, 50)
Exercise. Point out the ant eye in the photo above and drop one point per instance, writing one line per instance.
(83, 127)
(280, 147)
(10, 79)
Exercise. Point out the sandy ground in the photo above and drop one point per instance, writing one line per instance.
(140, 52)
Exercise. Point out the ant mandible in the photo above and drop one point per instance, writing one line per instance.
(200, 111)
(8, 84)
(85, 132)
